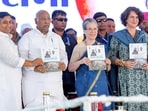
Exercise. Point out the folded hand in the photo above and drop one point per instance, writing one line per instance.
(40, 68)
(37, 61)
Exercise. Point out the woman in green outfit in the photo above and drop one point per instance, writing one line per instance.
(133, 81)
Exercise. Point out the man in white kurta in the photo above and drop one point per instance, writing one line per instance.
(10, 67)
(34, 83)
(10, 75)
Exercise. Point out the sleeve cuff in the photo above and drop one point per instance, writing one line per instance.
(21, 62)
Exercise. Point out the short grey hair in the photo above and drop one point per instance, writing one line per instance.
(87, 21)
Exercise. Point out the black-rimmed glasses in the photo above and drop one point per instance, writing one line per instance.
(61, 19)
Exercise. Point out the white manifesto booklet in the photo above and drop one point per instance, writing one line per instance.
(96, 53)
(138, 52)
(51, 58)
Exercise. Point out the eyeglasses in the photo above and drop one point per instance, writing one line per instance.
(61, 19)
(101, 20)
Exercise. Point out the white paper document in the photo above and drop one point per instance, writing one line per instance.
(51, 59)
(96, 53)
(138, 53)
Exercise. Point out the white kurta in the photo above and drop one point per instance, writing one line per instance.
(10, 75)
(34, 83)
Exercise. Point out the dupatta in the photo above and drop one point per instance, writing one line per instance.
(125, 37)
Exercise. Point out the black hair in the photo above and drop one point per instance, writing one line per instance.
(55, 13)
(126, 13)
(71, 29)
(99, 14)
(3, 14)
(13, 17)
(110, 19)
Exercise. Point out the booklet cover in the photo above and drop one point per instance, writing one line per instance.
(51, 59)
(96, 53)
(51, 66)
(138, 52)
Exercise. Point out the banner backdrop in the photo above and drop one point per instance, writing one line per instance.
(77, 10)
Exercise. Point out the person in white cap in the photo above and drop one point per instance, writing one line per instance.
(26, 27)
